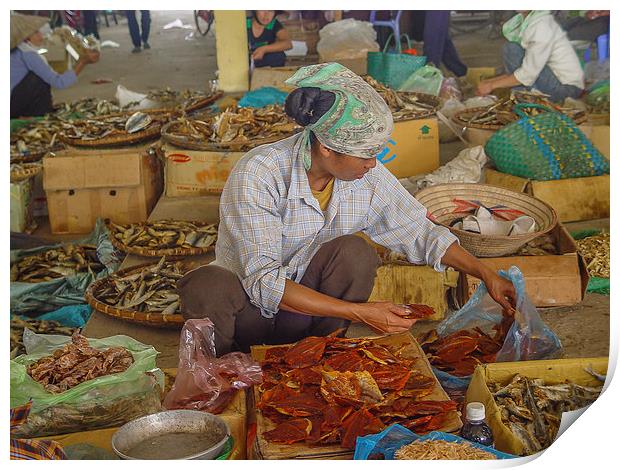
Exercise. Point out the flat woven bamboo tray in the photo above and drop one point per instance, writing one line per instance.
(203, 103)
(35, 157)
(194, 144)
(26, 171)
(169, 253)
(462, 118)
(155, 319)
(150, 133)
(440, 201)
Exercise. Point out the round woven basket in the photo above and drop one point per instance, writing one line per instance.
(425, 98)
(188, 143)
(28, 170)
(150, 133)
(35, 157)
(169, 253)
(155, 319)
(462, 118)
(440, 202)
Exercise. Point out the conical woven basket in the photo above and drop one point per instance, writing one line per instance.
(440, 202)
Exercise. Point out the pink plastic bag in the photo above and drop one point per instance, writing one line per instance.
(205, 382)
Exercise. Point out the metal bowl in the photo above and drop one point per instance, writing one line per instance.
(175, 421)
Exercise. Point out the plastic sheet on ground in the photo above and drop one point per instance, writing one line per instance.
(385, 444)
(262, 97)
(43, 297)
(75, 316)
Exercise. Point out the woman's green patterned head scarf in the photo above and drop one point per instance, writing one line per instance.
(359, 123)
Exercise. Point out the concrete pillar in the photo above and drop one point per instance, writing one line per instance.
(231, 42)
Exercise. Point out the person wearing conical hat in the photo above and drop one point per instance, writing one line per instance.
(31, 76)
(288, 263)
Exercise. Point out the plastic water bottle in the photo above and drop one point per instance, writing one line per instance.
(475, 429)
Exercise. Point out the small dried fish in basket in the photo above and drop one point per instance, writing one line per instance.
(501, 113)
(78, 362)
(113, 125)
(152, 289)
(55, 263)
(236, 128)
(165, 234)
(441, 450)
(86, 108)
(533, 410)
(37, 326)
(405, 105)
(595, 252)
(35, 139)
(23, 171)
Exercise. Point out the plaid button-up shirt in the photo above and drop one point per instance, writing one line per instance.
(271, 225)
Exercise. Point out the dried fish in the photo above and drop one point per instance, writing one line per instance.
(540, 246)
(113, 125)
(236, 128)
(137, 122)
(405, 105)
(78, 362)
(55, 263)
(501, 113)
(35, 139)
(441, 450)
(164, 234)
(153, 289)
(18, 325)
(533, 410)
(595, 252)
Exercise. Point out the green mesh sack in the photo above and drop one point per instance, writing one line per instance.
(548, 146)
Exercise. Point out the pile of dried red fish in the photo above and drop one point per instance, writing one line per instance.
(78, 362)
(459, 353)
(332, 390)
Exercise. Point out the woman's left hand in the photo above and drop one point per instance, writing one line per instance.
(501, 290)
(259, 53)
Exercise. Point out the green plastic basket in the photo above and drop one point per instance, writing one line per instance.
(393, 68)
(548, 146)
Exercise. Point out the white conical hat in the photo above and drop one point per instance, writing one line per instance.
(24, 26)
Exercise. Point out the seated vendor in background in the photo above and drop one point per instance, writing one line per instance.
(31, 76)
(288, 264)
(539, 55)
(267, 39)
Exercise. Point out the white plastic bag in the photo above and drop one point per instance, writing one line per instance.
(347, 39)
(449, 108)
(139, 100)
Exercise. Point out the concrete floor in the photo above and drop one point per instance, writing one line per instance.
(182, 61)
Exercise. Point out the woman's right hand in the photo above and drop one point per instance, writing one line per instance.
(383, 317)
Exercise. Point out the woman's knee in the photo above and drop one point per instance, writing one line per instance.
(355, 255)
(512, 54)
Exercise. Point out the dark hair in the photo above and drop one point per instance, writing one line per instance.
(307, 105)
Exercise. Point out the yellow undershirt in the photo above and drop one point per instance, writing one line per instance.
(324, 196)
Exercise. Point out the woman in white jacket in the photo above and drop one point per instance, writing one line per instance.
(538, 55)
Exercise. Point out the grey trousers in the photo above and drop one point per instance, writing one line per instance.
(344, 268)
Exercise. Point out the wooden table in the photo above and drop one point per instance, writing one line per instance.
(166, 341)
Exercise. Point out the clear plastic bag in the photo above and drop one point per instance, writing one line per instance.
(106, 401)
(205, 382)
(427, 79)
(450, 89)
(383, 446)
(528, 338)
(347, 39)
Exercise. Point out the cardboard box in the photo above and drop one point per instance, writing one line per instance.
(413, 148)
(553, 372)
(477, 136)
(551, 281)
(197, 172)
(22, 219)
(272, 77)
(84, 185)
(573, 199)
(476, 74)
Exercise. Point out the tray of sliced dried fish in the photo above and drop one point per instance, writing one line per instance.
(115, 129)
(23, 171)
(144, 294)
(171, 238)
(235, 130)
(55, 263)
(406, 105)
